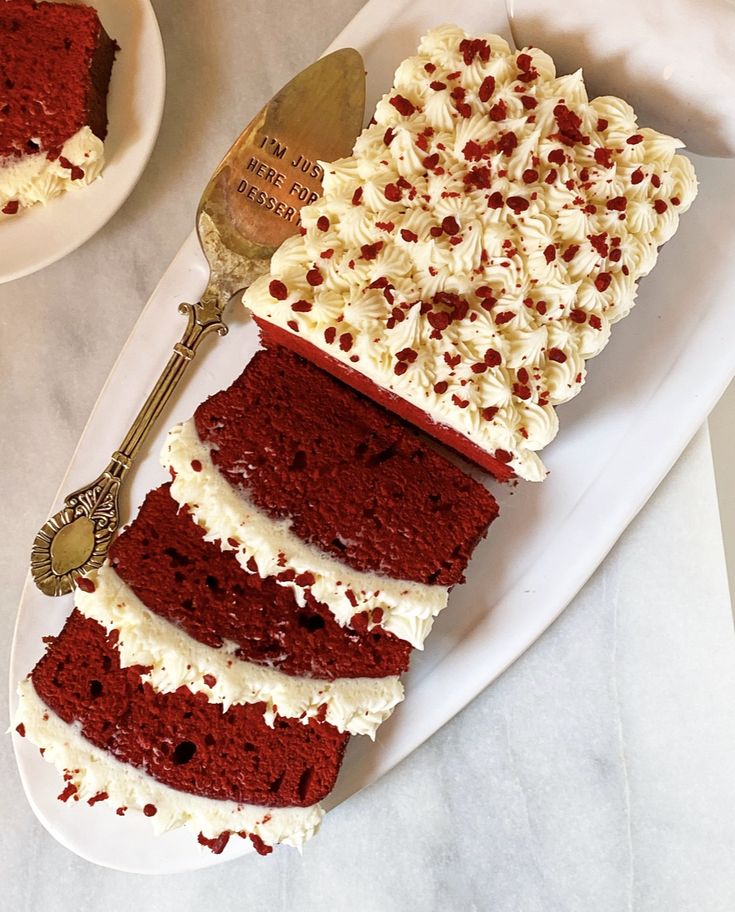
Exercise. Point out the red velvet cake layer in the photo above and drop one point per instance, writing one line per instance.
(191, 582)
(55, 65)
(353, 480)
(275, 335)
(179, 738)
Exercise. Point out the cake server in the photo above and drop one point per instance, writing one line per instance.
(249, 207)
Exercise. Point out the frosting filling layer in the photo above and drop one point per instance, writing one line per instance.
(37, 178)
(476, 248)
(174, 659)
(90, 773)
(405, 608)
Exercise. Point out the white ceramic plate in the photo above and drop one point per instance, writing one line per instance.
(40, 235)
(647, 394)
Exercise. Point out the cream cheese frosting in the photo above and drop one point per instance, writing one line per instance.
(474, 251)
(36, 178)
(405, 608)
(94, 772)
(174, 659)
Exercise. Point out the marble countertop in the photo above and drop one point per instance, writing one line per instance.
(594, 774)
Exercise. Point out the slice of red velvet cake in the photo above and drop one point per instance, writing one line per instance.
(55, 66)
(193, 616)
(318, 487)
(175, 756)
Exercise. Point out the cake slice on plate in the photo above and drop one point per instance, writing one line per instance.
(193, 616)
(55, 66)
(175, 756)
(475, 250)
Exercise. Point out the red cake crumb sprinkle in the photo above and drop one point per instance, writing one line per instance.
(260, 847)
(578, 316)
(301, 306)
(100, 796)
(357, 196)
(518, 203)
(86, 585)
(150, 810)
(634, 139)
(603, 157)
(556, 354)
(322, 223)
(196, 465)
(217, 844)
(11, 207)
(569, 123)
(278, 290)
(314, 277)
(474, 47)
(660, 206)
(370, 251)
(490, 412)
(77, 173)
(209, 680)
(503, 456)
(550, 253)
(487, 88)
(69, 790)
(402, 105)
(617, 204)
(21, 729)
(556, 157)
(121, 811)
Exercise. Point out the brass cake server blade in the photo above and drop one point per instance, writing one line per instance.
(249, 207)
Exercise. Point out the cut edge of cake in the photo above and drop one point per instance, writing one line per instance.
(173, 659)
(93, 775)
(402, 607)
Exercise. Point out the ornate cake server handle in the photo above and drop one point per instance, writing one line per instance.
(76, 539)
(249, 207)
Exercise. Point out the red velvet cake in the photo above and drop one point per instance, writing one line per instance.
(164, 558)
(180, 739)
(352, 480)
(55, 66)
(330, 494)
(475, 250)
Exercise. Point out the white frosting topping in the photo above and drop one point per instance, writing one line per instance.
(476, 248)
(37, 179)
(93, 772)
(227, 515)
(356, 705)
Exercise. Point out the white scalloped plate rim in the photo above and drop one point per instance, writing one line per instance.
(42, 235)
(647, 394)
